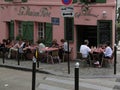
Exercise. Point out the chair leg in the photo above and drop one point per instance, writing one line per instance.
(50, 58)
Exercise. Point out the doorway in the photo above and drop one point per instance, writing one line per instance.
(86, 32)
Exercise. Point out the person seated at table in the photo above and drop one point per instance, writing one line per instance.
(3, 48)
(98, 55)
(54, 44)
(27, 48)
(18, 46)
(108, 50)
(41, 45)
(85, 50)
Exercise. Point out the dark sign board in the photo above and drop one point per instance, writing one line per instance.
(55, 21)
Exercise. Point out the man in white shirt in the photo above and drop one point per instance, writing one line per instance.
(84, 49)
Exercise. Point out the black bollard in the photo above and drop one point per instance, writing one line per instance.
(34, 73)
(18, 57)
(115, 58)
(68, 58)
(3, 57)
(77, 76)
(3, 54)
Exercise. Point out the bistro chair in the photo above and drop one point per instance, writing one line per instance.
(53, 57)
(107, 60)
(84, 61)
(65, 54)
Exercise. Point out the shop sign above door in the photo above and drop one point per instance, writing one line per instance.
(67, 11)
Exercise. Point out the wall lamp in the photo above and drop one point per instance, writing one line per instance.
(104, 14)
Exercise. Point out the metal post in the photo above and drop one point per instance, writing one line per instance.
(3, 57)
(68, 59)
(115, 58)
(18, 57)
(36, 56)
(77, 76)
(34, 73)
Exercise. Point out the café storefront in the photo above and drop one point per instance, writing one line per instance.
(95, 22)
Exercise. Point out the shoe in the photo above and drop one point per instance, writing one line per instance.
(8, 56)
(97, 62)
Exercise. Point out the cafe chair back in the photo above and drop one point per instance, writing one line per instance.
(107, 60)
(83, 60)
(54, 57)
(65, 55)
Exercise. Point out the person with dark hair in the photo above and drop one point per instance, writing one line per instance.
(108, 50)
(54, 44)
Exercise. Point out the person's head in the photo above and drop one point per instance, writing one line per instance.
(40, 41)
(86, 42)
(62, 40)
(54, 41)
(107, 43)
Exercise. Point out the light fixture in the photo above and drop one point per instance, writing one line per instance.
(104, 14)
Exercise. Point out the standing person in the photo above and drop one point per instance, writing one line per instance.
(64, 45)
(84, 49)
(64, 48)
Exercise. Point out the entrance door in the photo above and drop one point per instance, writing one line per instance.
(86, 32)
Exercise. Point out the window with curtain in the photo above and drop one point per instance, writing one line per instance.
(41, 30)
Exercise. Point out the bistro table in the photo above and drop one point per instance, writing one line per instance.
(51, 53)
(97, 56)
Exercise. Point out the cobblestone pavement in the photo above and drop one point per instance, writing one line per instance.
(61, 69)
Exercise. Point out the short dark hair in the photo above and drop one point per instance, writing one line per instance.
(107, 43)
(62, 40)
(86, 42)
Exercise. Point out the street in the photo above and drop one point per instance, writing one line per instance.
(11, 79)
(90, 78)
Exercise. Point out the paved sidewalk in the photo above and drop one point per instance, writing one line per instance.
(61, 69)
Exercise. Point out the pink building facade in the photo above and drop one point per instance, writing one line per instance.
(45, 19)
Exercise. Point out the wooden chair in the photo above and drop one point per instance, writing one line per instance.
(65, 54)
(84, 61)
(53, 57)
(108, 60)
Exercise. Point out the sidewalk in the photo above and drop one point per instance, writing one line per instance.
(61, 69)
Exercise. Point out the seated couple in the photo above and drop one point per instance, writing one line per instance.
(85, 50)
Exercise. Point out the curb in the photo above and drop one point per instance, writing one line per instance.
(25, 69)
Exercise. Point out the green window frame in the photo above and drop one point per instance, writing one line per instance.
(28, 28)
(8, 0)
(74, 1)
(12, 0)
(94, 1)
(11, 30)
(48, 34)
(104, 31)
(69, 28)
